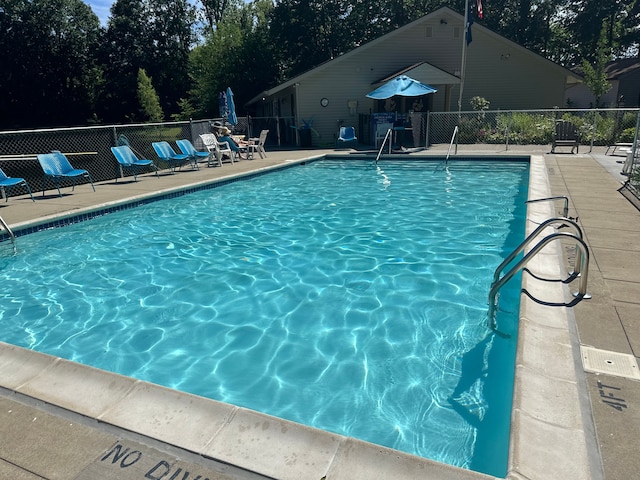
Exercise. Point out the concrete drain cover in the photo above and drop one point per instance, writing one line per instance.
(612, 363)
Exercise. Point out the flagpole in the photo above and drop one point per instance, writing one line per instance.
(463, 64)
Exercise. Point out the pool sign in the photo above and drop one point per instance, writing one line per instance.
(131, 460)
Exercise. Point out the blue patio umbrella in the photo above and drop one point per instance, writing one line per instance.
(402, 85)
(231, 117)
(222, 104)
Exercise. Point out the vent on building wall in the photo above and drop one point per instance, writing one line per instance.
(429, 31)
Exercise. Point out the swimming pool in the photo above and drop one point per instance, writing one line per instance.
(383, 292)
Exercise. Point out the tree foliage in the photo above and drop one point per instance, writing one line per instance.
(594, 74)
(150, 108)
(49, 73)
(70, 70)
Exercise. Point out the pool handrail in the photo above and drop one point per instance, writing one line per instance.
(565, 210)
(580, 295)
(388, 134)
(453, 137)
(9, 232)
(567, 222)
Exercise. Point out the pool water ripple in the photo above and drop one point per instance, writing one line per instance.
(322, 294)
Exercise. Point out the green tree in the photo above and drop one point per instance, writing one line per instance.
(594, 74)
(214, 11)
(150, 108)
(125, 50)
(240, 53)
(601, 24)
(49, 73)
(309, 32)
(156, 35)
(171, 37)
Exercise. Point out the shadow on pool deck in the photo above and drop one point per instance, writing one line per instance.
(43, 441)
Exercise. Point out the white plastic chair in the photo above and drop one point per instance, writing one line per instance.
(219, 149)
(381, 131)
(257, 145)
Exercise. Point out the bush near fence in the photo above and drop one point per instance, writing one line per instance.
(532, 127)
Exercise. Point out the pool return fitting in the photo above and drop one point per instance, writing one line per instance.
(580, 271)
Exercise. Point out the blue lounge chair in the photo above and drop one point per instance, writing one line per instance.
(347, 134)
(128, 160)
(187, 148)
(56, 166)
(6, 182)
(168, 155)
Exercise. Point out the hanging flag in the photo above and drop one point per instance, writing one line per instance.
(469, 23)
(479, 9)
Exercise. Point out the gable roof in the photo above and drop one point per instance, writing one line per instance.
(446, 11)
(423, 70)
(620, 68)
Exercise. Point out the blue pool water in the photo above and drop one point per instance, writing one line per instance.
(338, 294)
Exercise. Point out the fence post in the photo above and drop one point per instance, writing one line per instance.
(428, 127)
(506, 146)
(594, 129)
(634, 146)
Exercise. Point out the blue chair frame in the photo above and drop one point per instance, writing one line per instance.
(56, 166)
(168, 155)
(187, 148)
(128, 160)
(9, 182)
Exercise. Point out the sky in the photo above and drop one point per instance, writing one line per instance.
(101, 9)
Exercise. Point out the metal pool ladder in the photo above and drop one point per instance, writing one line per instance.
(581, 267)
(4, 225)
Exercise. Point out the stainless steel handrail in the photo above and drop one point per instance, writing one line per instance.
(453, 137)
(11, 235)
(565, 211)
(580, 295)
(388, 134)
(561, 220)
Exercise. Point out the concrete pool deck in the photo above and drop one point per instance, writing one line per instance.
(62, 420)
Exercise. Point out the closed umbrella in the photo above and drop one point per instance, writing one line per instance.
(231, 118)
(402, 85)
(222, 105)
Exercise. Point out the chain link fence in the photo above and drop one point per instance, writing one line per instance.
(89, 147)
(531, 127)
(598, 127)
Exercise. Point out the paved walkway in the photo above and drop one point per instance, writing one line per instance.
(40, 441)
(611, 319)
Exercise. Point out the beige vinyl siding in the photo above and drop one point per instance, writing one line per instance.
(506, 74)
(509, 80)
(348, 79)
